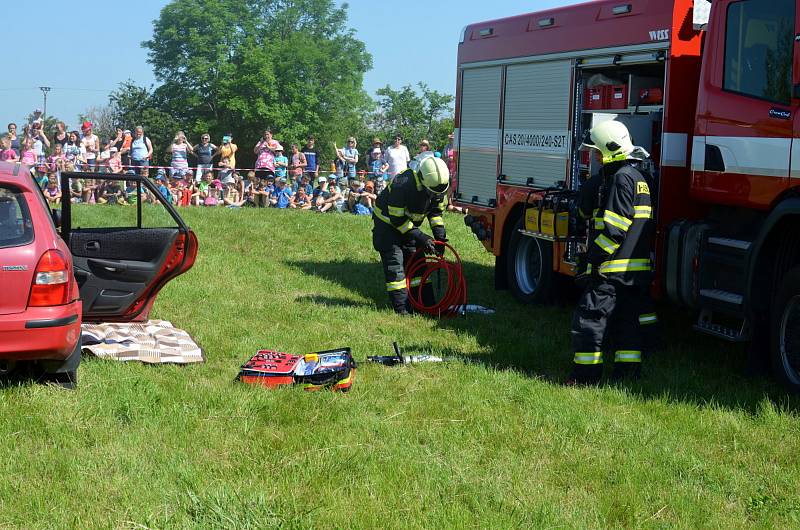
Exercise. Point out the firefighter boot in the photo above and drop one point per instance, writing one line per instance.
(399, 300)
(585, 375)
(626, 372)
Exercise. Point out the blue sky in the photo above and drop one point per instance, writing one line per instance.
(83, 60)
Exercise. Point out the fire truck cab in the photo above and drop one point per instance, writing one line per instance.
(710, 89)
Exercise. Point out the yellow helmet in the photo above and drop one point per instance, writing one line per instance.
(434, 175)
(612, 139)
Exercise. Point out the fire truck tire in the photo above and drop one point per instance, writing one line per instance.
(785, 343)
(529, 268)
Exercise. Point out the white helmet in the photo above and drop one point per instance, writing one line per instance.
(614, 142)
(434, 175)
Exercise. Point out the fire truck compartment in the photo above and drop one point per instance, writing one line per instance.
(521, 123)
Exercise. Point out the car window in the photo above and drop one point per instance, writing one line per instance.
(759, 41)
(16, 225)
(114, 203)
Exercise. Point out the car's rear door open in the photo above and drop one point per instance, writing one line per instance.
(127, 242)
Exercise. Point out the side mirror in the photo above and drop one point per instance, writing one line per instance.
(56, 215)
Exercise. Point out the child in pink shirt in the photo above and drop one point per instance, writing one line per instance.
(6, 153)
(28, 155)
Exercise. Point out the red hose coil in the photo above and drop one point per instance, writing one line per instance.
(454, 299)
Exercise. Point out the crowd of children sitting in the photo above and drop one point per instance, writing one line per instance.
(325, 195)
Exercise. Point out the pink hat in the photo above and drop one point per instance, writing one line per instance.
(216, 183)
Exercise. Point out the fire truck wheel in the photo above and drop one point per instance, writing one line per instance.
(785, 350)
(529, 267)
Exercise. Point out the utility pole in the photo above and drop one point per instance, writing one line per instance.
(45, 90)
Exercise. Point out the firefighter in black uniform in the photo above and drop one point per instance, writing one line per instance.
(618, 268)
(402, 206)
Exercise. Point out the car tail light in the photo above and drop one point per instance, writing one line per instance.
(51, 281)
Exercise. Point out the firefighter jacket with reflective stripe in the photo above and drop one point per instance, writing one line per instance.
(405, 204)
(621, 232)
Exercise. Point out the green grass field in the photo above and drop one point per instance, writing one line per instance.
(490, 442)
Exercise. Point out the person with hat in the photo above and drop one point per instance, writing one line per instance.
(616, 270)
(282, 195)
(377, 166)
(114, 161)
(400, 209)
(91, 143)
(281, 161)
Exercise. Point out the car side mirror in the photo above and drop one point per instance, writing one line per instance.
(56, 215)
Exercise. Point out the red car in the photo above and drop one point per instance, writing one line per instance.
(118, 245)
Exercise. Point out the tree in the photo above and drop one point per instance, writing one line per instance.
(247, 65)
(415, 114)
(132, 105)
(102, 118)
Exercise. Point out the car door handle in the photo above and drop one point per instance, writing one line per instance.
(92, 246)
(109, 265)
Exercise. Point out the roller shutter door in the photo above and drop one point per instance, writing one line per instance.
(536, 137)
(479, 135)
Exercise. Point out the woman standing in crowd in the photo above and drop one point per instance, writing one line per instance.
(180, 150)
(265, 153)
(60, 137)
(204, 151)
(73, 150)
(13, 139)
(227, 151)
(397, 157)
(141, 151)
(40, 141)
(91, 143)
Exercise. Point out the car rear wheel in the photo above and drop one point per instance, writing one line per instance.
(785, 343)
(529, 267)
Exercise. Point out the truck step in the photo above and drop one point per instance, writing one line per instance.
(726, 242)
(722, 296)
(732, 330)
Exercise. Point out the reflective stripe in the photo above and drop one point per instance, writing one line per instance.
(396, 286)
(436, 221)
(415, 216)
(606, 244)
(416, 282)
(394, 211)
(643, 212)
(589, 358)
(626, 265)
(614, 219)
(628, 356)
(405, 227)
(599, 224)
(650, 318)
(382, 217)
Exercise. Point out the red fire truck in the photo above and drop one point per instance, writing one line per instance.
(710, 89)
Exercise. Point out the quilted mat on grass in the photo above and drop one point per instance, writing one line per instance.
(152, 342)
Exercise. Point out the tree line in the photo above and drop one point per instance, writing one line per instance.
(293, 66)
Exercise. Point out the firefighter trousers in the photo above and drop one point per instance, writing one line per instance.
(607, 315)
(395, 255)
